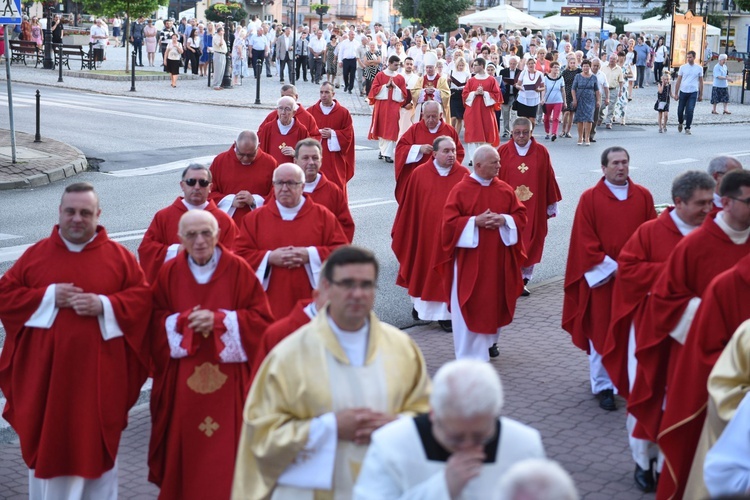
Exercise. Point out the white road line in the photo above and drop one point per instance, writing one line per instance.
(159, 169)
(361, 148)
(386, 202)
(678, 162)
(744, 152)
(4, 236)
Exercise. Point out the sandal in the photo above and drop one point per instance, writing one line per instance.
(727, 112)
(714, 112)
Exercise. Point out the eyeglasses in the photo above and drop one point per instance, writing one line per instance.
(249, 153)
(289, 184)
(351, 285)
(191, 235)
(192, 182)
(746, 201)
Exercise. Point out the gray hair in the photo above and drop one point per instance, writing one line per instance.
(720, 164)
(466, 388)
(538, 479)
(722, 57)
(685, 184)
(245, 135)
(197, 166)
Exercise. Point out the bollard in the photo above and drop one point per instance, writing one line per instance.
(38, 135)
(60, 62)
(132, 72)
(210, 68)
(258, 74)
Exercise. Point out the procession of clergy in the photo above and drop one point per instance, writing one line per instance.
(273, 378)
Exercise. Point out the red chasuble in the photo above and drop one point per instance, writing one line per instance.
(162, 232)
(698, 259)
(278, 331)
(329, 195)
(271, 140)
(489, 275)
(338, 166)
(230, 177)
(68, 389)
(480, 124)
(264, 230)
(725, 306)
(416, 230)
(601, 226)
(305, 119)
(197, 400)
(418, 134)
(534, 180)
(386, 114)
(639, 264)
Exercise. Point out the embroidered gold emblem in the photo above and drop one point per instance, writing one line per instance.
(208, 427)
(283, 145)
(523, 193)
(523, 168)
(206, 378)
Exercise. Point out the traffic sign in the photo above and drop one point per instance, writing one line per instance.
(581, 11)
(11, 13)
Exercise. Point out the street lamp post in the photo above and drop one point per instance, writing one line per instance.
(48, 62)
(730, 9)
(226, 81)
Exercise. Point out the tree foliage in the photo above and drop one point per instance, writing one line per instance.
(655, 11)
(220, 12)
(743, 4)
(551, 13)
(619, 24)
(134, 8)
(441, 13)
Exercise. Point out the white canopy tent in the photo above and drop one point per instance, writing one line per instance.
(570, 23)
(506, 15)
(656, 25)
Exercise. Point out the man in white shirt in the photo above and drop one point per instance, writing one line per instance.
(317, 56)
(687, 89)
(260, 49)
(601, 78)
(348, 59)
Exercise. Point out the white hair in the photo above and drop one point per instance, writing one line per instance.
(536, 479)
(722, 57)
(295, 106)
(466, 388)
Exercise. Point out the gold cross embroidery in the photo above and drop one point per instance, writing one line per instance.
(283, 145)
(523, 168)
(208, 427)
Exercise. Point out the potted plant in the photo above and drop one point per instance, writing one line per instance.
(319, 8)
(221, 11)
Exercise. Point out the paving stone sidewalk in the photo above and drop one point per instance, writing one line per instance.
(546, 386)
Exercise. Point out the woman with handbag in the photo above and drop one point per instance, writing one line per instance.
(194, 43)
(173, 59)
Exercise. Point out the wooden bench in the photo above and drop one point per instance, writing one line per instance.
(21, 49)
(76, 52)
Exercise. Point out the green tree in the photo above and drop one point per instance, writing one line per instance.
(742, 4)
(619, 24)
(551, 13)
(655, 11)
(441, 13)
(219, 12)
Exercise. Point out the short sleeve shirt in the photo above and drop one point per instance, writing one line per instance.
(691, 75)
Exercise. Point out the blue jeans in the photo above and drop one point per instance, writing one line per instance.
(685, 106)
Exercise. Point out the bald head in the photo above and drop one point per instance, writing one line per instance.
(288, 184)
(246, 147)
(486, 162)
(197, 216)
(720, 165)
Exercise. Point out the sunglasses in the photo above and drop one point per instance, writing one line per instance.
(192, 182)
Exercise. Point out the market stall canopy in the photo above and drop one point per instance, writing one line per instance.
(570, 23)
(656, 25)
(506, 15)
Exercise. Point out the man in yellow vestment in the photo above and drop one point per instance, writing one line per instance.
(321, 392)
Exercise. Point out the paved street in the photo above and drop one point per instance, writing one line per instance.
(139, 142)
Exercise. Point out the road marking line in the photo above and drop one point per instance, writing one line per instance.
(678, 162)
(361, 148)
(4, 236)
(744, 152)
(159, 169)
(386, 202)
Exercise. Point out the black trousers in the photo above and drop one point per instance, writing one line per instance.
(138, 48)
(316, 69)
(302, 65)
(350, 71)
(288, 63)
(258, 55)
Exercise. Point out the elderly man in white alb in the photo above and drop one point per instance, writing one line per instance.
(458, 450)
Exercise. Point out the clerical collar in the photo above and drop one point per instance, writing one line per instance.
(75, 247)
(482, 77)
(202, 206)
(442, 171)
(434, 130)
(353, 343)
(311, 310)
(203, 273)
(310, 186)
(523, 150)
(435, 452)
(431, 77)
(483, 182)
(737, 237)
(327, 109)
(683, 227)
(390, 73)
(620, 192)
(717, 200)
(284, 129)
(290, 213)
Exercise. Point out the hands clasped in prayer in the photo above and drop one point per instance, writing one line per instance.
(289, 257)
(358, 424)
(84, 304)
(201, 321)
(490, 220)
(244, 199)
(325, 133)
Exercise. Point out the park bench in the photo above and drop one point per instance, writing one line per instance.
(77, 53)
(21, 49)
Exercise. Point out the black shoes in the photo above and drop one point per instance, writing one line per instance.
(525, 292)
(446, 325)
(380, 156)
(388, 159)
(494, 351)
(414, 314)
(644, 479)
(607, 400)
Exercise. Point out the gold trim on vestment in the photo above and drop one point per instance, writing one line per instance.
(208, 427)
(523, 193)
(206, 378)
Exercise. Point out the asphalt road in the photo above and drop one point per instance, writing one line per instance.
(132, 133)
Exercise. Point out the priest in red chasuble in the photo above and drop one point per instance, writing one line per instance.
(75, 308)
(303, 116)
(526, 166)
(416, 231)
(210, 312)
(481, 97)
(161, 242)
(606, 217)
(278, 137)
(286, 241)
(415, 146)
(388, 95)
(640, 262)
(337, 137)
(242, 177)
(480, 256)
